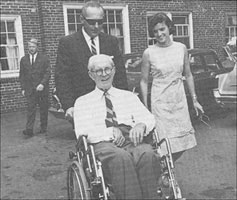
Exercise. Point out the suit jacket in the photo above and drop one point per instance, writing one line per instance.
(71, 73)
(32, 76)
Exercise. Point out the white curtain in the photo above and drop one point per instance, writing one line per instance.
(12, 54)
(115, 31)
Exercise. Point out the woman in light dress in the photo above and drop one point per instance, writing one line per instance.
(168, 62)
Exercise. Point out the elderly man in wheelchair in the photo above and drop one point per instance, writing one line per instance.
(114, 156)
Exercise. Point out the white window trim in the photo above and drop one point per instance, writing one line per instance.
(19, 37)
(125, 15)
(190, 18)
(169, 14)
(226, 15)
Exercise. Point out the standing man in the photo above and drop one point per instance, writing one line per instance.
(71, 75)
(34, 79)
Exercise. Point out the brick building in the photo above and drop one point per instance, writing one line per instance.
(199, 23)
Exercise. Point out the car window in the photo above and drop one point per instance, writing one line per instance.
(196, 64)
(211, 62)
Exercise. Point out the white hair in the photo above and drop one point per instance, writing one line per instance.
(97, 59)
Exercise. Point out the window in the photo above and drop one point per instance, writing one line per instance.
(183, 28)
(211, 62)
(231, 26)
(196, 64)
(181, 25)
(11, 45)
(116, 22)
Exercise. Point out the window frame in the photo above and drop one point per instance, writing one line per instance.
(228, 38)
(19, 38)
(170, 14)
(125, 18)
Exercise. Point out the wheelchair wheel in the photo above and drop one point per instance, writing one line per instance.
(76, 183)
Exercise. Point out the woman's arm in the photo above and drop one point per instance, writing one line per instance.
(145, 70)
(190, 83)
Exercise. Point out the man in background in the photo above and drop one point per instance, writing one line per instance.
(34, 79)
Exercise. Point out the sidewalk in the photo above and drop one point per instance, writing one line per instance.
(35, 168)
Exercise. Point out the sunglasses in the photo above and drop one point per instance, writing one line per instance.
(94, 21)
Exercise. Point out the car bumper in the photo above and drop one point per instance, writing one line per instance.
(227, 100)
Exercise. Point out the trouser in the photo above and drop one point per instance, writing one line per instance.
(40, 98)
(132, 171)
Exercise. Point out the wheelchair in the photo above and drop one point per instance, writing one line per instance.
(85, 178)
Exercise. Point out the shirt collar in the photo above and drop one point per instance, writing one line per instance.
(87, 37)
(111, 91)
(35, 54)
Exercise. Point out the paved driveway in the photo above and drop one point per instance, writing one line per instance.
(35, 168)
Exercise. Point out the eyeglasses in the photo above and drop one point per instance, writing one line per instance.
(106, 70)
(92, 22)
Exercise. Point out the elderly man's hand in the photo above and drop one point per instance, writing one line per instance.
(119, 139)
(136, 133)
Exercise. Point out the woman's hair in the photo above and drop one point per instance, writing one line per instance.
(159, 18)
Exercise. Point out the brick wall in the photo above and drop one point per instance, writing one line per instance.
(44, 20)
(11, 97)
(208, 21)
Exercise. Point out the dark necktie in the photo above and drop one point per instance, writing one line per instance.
(93, 47)
(111, 119)
(32, 59)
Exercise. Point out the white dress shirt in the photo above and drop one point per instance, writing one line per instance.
(90, 113)
(35, 55)
(88, 41)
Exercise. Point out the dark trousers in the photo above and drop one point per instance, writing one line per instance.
(34, 99)
(132, 171)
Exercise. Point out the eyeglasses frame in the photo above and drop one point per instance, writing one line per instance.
(100, 71)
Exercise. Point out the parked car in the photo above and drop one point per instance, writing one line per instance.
(205, 66)
(226, 93)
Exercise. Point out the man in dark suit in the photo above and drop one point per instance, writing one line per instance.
(71, 74)
(34, 79)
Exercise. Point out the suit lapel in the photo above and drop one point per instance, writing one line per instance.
(28, 64)
(28, 60)
(102, 43)
(37, 59)
(82, 45)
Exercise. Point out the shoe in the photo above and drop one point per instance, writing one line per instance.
(28, 132)
(42, 131)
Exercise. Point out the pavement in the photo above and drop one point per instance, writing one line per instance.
(35, 168)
